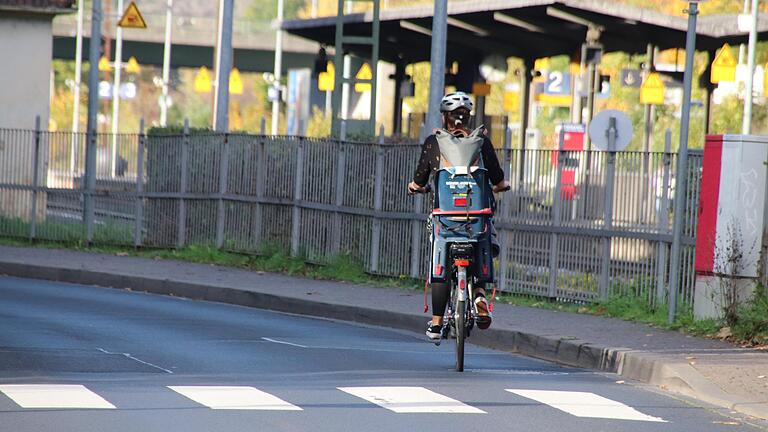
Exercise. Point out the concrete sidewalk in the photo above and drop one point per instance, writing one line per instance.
(713, 371)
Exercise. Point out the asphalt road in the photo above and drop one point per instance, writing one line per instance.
(76, 358)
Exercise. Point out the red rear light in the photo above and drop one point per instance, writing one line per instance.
(460, 202)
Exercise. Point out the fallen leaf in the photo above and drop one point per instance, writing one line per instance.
(663, 387)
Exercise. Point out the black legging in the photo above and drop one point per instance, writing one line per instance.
(441, 293)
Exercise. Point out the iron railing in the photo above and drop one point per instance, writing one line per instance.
(322, 197)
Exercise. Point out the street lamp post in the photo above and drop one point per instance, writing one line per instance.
(682, 160)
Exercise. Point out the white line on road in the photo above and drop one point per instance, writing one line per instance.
(54, 396)
(411, 400)
(128, 355)
(283, 342)
(583, 404)
(234, 398)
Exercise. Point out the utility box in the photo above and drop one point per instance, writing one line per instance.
(731, 220)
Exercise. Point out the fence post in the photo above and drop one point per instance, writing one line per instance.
(263, 126)
(221, 213)
(256, 226)
(505, 213)
(35, 181)
(661, 274)
(605, 267)
(341, 167)
(182, 227)
(557, 205)
(139, 187)
(378, 199)
(297, 197)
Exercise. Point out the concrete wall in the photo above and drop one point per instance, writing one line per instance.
(26, 50)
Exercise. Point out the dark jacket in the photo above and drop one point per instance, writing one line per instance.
(429, 161)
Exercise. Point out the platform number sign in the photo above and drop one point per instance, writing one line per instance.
(558, 83)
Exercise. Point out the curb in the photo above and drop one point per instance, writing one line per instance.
(668, 373)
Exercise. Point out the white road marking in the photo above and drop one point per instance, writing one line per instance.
(54, 396)
(128, 355)
(234, 398)
(283, 342)
(411, 400)
(584, 404)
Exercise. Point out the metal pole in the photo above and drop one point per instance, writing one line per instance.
(35, 181)
(278, 68)
(610, 175)
(138, 228)
(682, 161)
(76, 98)
(116, 92)
(746, 127)
(437, 59)
(223, 67)
(741, 46)
(166, 63)
(93, 108)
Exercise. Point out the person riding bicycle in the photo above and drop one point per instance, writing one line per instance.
(456, 109)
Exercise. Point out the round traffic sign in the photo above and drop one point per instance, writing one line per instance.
(599, 130)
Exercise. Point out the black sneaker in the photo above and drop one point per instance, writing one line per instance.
(434, 332)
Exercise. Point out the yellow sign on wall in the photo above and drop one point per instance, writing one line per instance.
(203, 81)
(235, 82)
(511, 100)
(326, 80)
(652, 90)
(365, 73)
(724, 66)
(132, 66)
(132, 18)
(104, 65)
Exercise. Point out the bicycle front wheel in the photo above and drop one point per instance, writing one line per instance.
(460, 333)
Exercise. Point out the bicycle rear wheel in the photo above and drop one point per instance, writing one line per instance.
(460, 333)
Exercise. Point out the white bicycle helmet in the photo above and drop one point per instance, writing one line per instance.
(452, 101)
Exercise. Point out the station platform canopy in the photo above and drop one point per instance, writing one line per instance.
(527, 29)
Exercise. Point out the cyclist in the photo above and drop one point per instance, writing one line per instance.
(456, 109)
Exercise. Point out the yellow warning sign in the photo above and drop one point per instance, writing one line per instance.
(365, 73)
(652, 90)
(132, 18)
(235, 82)
(724, 66)
(511, 100)
(203, 81)
(104, 65)
(132, 66)
(326, 80)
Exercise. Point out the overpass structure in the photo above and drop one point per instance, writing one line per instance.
(193, 40)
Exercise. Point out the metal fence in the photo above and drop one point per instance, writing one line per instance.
(571, 228)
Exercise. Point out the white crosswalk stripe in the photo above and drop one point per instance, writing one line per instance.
(411, 400)
(54, 396)
(234, 398)
(584, 404)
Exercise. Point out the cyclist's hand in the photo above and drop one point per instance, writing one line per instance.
(414, 188)
(502, 186)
